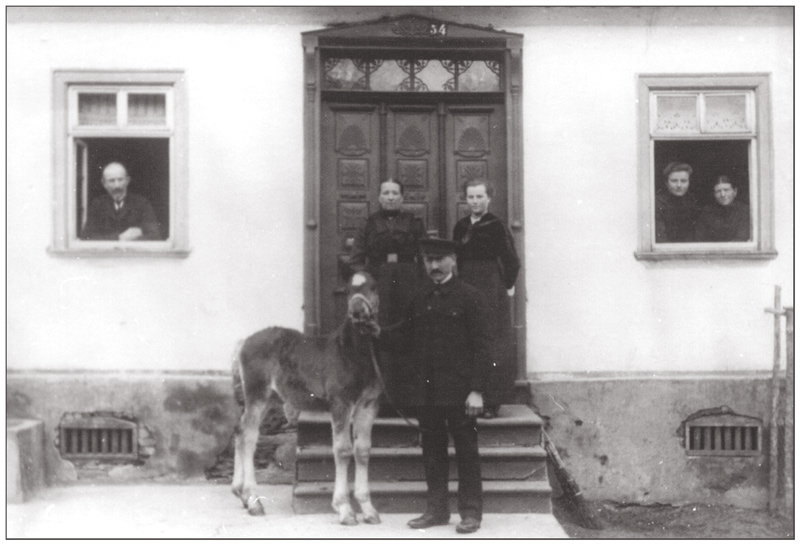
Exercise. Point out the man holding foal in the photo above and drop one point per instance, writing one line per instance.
(446, 329)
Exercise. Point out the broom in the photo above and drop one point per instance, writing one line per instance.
(572, 492)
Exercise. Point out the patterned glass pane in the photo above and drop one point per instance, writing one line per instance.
(677, 114)
(480, 76)
(726, 113)
(149, 109)
(389, 76)
(344, 74)
(436, 77)
(97, 109)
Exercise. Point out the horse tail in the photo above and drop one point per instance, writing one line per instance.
(236, 371)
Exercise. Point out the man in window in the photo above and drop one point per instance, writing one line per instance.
(727, 220)
(119, 215)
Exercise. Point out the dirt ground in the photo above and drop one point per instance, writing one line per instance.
(698, 521)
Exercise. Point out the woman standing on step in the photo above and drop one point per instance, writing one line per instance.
(488, 260)
(388, 248)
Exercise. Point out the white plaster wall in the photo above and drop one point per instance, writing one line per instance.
(592, 306)
(245, 144)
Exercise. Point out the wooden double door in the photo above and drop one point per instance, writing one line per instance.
(433, 146)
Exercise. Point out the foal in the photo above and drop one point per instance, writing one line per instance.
(337, 370)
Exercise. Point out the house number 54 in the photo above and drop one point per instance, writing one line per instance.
(438, 30)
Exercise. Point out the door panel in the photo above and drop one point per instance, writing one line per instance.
(413, 159)
(431, 148)
(349, 173)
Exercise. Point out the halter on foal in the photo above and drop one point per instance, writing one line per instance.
(335, 370)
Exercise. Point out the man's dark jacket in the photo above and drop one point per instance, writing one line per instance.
(446, 330)
(106, 223)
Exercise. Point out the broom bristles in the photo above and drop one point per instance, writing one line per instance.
(572, 492)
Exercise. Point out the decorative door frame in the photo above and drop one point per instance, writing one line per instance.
(410, 32)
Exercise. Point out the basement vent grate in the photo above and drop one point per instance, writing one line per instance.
(723, 440)
(99, 438)
(722, 434)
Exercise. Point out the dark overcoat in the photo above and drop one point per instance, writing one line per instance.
(104, 222)
(446, 330)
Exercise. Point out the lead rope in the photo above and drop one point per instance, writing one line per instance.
(386, 392)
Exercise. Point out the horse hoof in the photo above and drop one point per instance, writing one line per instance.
(348, 521)
(254, 507)
(374, 518)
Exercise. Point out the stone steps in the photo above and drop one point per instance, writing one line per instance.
(515, 425)
(404, 464)
(513, 465)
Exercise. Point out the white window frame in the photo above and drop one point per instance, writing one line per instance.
(759, 132)
(67, 138)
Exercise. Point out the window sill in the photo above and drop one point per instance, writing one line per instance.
(706, 255)
(118, 252)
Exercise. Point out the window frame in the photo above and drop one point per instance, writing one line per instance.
(67, 83)
(760, 163)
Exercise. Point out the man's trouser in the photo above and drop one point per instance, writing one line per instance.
(436, 422)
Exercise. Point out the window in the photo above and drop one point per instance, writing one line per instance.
(413, 74)
(705, 171)
(120, 168)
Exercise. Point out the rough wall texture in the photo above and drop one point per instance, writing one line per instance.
(620, 438)
(190, 418)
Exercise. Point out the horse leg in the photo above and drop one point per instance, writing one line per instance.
(362, 431)
(238, 469)
(341, 417)
(246, 442)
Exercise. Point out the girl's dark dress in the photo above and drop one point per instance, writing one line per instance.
(488, 260)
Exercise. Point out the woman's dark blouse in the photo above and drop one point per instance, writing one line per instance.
(487, 240)
(676, 218)
(387, 233)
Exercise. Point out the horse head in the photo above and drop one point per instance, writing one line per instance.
(362, 301)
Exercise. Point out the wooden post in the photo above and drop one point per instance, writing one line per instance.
(788, 467)
(773, 419)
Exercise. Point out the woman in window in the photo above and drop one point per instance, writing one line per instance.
(726, 220)
(488, 260)
(676, 208)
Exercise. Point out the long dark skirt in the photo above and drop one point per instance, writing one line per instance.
(486, 276)
(397, 283)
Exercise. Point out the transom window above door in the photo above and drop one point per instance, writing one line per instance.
(412, 75)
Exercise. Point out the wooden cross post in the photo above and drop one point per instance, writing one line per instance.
(788, 465)
(777, 311)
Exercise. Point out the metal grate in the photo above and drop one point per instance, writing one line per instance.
(722, 433)
(99, 438)
(724, 440)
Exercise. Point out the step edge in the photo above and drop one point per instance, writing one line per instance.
(315, 451)
(409, 487)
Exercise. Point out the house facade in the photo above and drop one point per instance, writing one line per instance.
(260, 135)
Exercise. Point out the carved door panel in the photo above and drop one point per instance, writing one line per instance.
(349, 166)
(475, 139)
(413, 159)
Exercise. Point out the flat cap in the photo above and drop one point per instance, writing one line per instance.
(437, 247)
